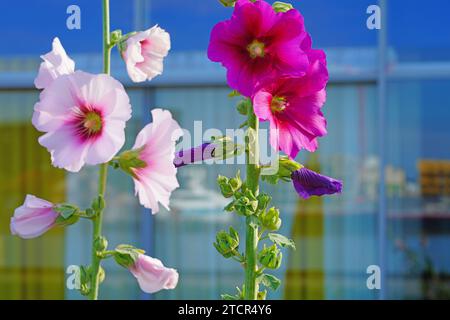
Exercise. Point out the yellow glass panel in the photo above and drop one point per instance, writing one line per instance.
(29, 269)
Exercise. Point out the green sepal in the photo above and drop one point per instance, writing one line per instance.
(270, 257)
(270, 219)
(279, 6)
(66, 210)
(227, 242)
(129, 160)
(228, 3)
(85, 280)
(127, 255)
(243, 106)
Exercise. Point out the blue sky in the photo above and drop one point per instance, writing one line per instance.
(419, 29)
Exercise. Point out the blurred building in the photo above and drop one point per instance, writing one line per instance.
(388, 140)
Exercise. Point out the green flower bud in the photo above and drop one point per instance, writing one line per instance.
(101, 244)
(116, 36)
(270, 219)
(226, 243)
(270, 257)
(279, 6)
(263, 201)
(245, 206)
(229, 187)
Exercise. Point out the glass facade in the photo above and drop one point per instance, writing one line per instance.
(337, 237)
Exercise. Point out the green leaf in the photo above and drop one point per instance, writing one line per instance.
(269, 281)
(281, 240)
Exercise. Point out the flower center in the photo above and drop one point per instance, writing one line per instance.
(278, 104)
(256, 49)
(92, 122)
(88, 123)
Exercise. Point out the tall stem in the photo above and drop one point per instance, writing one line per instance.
(251, 240)
(103, 174)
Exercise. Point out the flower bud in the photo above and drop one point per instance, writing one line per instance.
(225, 187)
(245, 206)
(270, 219)
(263, 201)
(33, 218)
(101, 244)
(152, 275)
(226, 243)
(270, 257)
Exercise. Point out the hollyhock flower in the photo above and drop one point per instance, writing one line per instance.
(155, 179)
(258, 43)
(144, 53)
(55, 64)
(152, 275)
(308, 183)
(84, 118)
(197, 154)
(33, 218)
(293, 106)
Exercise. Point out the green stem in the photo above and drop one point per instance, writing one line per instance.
(252, 235)
(97, 220)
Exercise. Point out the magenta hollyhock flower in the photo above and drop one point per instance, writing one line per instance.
(308, 183)
(258, 43)
(144, 53)
(155, 181)
(152, 275)
(293, 106)
(33, 218)
(83, 116)
(193, 155)
(55, 64)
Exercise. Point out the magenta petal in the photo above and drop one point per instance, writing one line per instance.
(277, 36)
(308, 183)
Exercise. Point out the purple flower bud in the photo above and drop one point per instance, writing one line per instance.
(308, 183)
(33, 218)
(197, 154)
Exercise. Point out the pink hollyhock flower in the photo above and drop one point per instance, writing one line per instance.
(156, 179)
(55, 64)
(84, 118)
(144, 53)
(33, 218)
(257, 43)
(293, 106)
(152, 275)
(308, 183)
